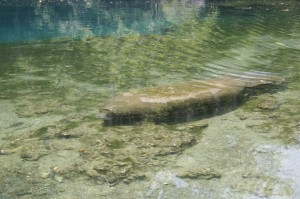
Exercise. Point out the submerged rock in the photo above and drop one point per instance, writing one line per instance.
(269, 104)
(200, 173)
(127, 154)
(186, 101)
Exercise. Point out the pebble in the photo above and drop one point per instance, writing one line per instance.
(58, 178)
(45, 175)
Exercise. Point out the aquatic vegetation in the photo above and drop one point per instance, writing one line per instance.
(280, 117)
(51, 91)
(120, 155)
(41, 131)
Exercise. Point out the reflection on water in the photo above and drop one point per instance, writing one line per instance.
(33, 20)
(60, 60)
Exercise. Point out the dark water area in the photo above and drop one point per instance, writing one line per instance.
(60, 61)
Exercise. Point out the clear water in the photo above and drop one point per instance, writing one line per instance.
(30, 21)
(60, 60)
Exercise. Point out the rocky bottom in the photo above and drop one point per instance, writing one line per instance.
(235, 155)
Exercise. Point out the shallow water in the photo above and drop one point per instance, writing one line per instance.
(60, 61)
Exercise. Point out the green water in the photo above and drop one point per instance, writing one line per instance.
(53, 146)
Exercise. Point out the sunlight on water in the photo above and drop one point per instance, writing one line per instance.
(62, 60)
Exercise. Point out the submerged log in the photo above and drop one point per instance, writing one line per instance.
(186, 101)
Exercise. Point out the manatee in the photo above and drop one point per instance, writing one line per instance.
(185, 101)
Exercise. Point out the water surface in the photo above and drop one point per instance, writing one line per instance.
(61, 60)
